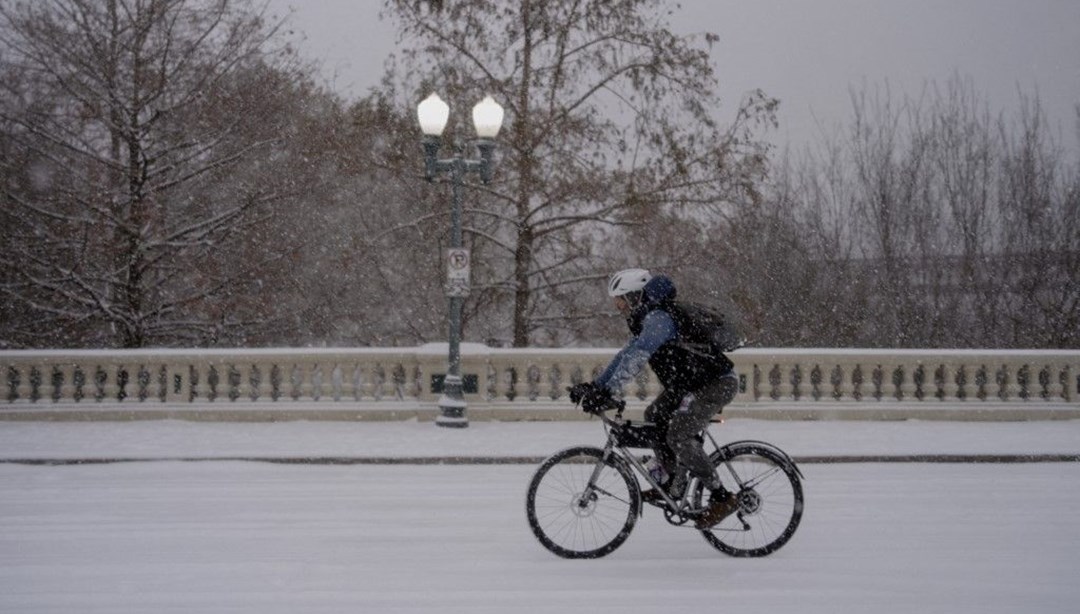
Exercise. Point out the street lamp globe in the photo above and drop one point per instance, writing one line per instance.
(433, 114)
(487, 118)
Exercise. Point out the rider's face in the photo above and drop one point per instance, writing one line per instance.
(622, 305)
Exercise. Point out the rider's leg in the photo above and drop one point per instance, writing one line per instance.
(691, 416)
(659, 412)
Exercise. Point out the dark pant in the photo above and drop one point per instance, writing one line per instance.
(679, 417)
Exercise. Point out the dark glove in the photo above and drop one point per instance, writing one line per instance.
(596, 400)
(580, 391)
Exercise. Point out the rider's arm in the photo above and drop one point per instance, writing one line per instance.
(656, 329)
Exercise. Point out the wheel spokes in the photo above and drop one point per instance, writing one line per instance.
(575, 518)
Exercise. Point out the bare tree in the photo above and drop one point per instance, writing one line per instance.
(962, 182)
(929, 222)
(118, 226)
(610, 120)
(1040, 241)
(890, 163)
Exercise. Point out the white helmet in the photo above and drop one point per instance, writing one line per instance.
(626, 281)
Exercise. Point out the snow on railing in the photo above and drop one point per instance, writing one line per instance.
(519, 376)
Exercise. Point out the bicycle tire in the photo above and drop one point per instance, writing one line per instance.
(770, 500)
(572, 522)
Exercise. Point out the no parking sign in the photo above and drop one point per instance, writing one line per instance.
(458, 263)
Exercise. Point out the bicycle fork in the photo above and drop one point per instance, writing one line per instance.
(588, 497)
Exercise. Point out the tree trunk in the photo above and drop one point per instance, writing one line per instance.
(524, 252)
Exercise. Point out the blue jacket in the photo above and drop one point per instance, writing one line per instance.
(655, 342)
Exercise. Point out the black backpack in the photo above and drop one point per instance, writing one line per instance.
(705, 330)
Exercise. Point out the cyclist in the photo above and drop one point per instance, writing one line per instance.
(696, 386)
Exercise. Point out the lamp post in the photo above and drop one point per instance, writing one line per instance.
(487, 119)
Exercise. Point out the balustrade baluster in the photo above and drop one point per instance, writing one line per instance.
(1055, 390)
(397, 381)
(63, 388)
(177, 382)
(312, 386)
(264, 389)
(385, 382)
(378, 381)
(200, 381)
(554, 380)
(23, 388)
(45, 387)
(488, 383)
(328, 386)
(239, 388)
(532, 382)
(292, 380)
(888, 382)
(1069, 390)
(34, 380)
(889, 386)
(855, 380)
(1012, 386)
(1028, 379)
(950, 387)
(997, 377)
(364, 384)
(816, 385)
(332, 381)
(967, 383)
(64, 383)
(141, 382)
(496, 385)
(111, 389)
(979, 383)
(413, 381)
(771, 377)
(786, 389)
(256, 373)
(840, 381)
(908, 388)
(358, 382)
(856, 376)
(316, 381)
(348, 381)
(514, 376)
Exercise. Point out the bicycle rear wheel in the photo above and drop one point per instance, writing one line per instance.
(770, 498)
(580, 507)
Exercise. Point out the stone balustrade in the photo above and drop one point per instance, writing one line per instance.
(515, 379)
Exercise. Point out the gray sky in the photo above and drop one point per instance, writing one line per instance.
(807, 53)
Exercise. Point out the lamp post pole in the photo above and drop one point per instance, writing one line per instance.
(487, 117)
(452, 404)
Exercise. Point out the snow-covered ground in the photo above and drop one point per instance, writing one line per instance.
(229, 536)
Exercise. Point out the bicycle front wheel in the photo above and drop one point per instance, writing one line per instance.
(770, 495)
(580, 507)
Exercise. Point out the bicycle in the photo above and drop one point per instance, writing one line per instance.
(583, 501)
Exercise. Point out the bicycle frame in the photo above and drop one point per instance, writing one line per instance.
(613, 447)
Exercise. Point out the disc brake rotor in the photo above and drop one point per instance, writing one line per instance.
(583, 505)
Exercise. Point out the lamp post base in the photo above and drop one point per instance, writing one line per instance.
(456, 422)
(452, 404)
